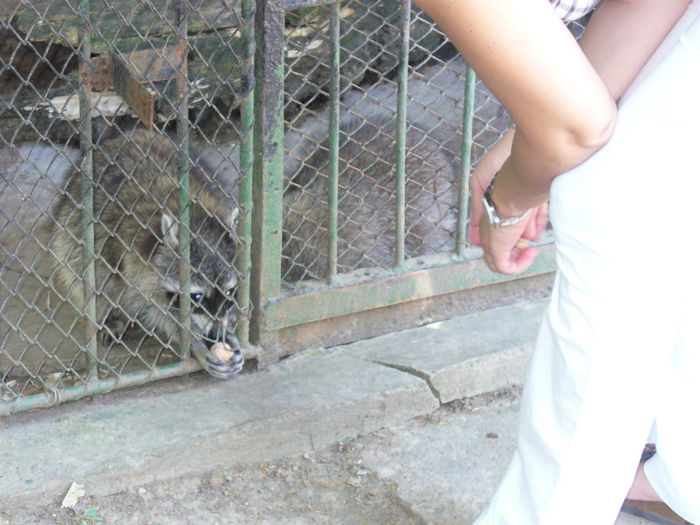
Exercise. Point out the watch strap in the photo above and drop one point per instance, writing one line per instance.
(490, 210)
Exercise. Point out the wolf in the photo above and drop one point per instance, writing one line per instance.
(136, 247)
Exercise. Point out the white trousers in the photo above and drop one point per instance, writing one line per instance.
(618, 353)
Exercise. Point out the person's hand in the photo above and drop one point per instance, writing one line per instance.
(505, 249)
(484, 171)
(487, 168)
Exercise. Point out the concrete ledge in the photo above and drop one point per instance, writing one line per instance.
(302, 404)
(447, 473)
(297, 406)
(464, 356)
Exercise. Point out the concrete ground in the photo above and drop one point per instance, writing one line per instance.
(414, 427)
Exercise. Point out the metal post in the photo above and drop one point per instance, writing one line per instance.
(333, 132)
(245, 195)
(87, 209)
(399, 255)
(183, 177)
(464, 175)
(266, 250)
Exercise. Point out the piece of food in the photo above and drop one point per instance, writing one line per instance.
(522, 243)
(222, 351)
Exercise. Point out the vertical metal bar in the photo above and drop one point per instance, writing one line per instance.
(87, 209)
(245, 189)
(399, 254)
(464, 175)
(266, 248)
(183, 178)
(333, 132)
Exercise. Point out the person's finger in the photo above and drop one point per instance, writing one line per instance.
(477, 211)
(541, 219)
(530, 232)
(516, 262)
(474, 237)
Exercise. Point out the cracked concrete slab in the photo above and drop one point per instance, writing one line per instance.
(447, 469)
(447, 473)
(464, 356)
(300, 405)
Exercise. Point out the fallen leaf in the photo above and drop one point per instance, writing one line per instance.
(75, 492)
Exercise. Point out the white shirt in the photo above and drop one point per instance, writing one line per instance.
(569, 10)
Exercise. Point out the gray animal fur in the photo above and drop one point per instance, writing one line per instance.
(136, 202)
(367, 200)
(136, 246)
(367, 159)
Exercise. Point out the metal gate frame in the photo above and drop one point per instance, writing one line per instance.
(90, 71)
(265, 308)
(338, 295)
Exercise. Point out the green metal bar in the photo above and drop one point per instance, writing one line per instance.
(183, 178)
(86, 171)
(333, 145)
(399, 250)
(245, 188)
(464, 174)
(98, 386)
(357, 292)
(298, 4)
(266, 249)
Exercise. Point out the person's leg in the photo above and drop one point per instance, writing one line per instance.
(626, 234)
(674, 471)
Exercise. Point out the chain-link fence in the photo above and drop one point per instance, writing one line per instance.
(166, 165)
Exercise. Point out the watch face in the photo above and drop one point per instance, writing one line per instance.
(490, 211)
(492, 214)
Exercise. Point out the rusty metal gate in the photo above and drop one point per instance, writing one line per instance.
(314, 153)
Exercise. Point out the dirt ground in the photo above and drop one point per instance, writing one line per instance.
(331, 486)
(324, 488)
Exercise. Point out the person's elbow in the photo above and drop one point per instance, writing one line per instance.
(595, 131)
(571, 142)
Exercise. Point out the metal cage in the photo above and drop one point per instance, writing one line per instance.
(341, 133)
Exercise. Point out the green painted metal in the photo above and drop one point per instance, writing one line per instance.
(333, 133)
(298, 4)
(465, 165)
(98, 386)
(183, 179)
(359, 291)
(260, 197)
(409, 280)
(86, 175)
(401, 103)
(266, 250)
(245, 186)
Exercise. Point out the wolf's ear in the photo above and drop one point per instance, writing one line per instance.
(169, 229)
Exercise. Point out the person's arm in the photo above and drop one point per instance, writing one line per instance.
(557, 130)
(619, 39)
(623, 34)
(536, 69)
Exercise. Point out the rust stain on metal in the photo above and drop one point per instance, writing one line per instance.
(161, 64)
(101, 72)
(140, 99)
(132, 73)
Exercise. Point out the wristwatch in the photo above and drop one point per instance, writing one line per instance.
(490, 210)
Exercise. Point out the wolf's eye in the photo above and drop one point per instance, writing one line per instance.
(196, 297)
(229, 292)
